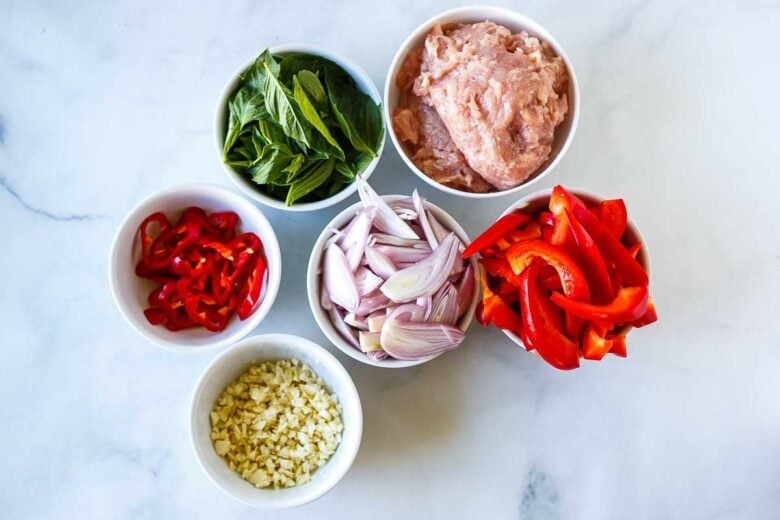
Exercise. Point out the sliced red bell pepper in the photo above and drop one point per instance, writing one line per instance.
(613, 214)
(634, 250)
(596, 342)
(501, 227)
(530, 231)
(629, 305)
(573, 281)
(617, 257)
(492, 309)
(498, 267)
(587, 254)
(546, 218)
(619, 345)
(252, 286)
(539, 331)
(549, 279)
(650, 316)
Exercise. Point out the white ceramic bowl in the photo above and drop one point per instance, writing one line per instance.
(540, 200)
(130, 291)
(313, 275)
(564, 134)
(225, 368)
(363, 82)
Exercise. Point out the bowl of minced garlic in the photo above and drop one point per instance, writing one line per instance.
(275, 421)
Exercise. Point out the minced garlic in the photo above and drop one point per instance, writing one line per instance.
(276, 424)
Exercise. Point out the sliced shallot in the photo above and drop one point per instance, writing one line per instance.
(411, 340)
(425, 277)
(339, 281)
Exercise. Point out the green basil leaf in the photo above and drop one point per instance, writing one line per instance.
(269, 167)
(345, 170)
(283, 111)
(315, 176)
(358, 116)
(311, 115)
(312, 85)
(245, 106)
(295, 62)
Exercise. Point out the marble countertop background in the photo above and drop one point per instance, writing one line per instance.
(102, 103)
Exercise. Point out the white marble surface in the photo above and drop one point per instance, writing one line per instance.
(102, 103)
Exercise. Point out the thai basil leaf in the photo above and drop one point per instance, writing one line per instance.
(268, 168)
(313, 87)
(311, 115)
(359, 117)
(315, 176)
(345, 170)
(282, 110)
(246, 106)
(293, 63)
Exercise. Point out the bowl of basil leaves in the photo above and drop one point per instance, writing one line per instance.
(295, 126)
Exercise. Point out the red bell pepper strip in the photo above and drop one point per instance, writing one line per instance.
(573, 281)
(254, 285)
(629, 304)
(591, 261)
(492, 309)
(613, 214)
(596, 342)
(539, 331)
(546, 218)
(615, 254)
(619, 345)
(530, 231)
(634, 250)
(498, 267)
(501, 227)
(650, 316)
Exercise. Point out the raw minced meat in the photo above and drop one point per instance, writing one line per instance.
(479, 105)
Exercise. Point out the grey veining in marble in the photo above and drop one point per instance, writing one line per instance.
(102, 103)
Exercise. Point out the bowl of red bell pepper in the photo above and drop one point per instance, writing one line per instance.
(566, 274)
(195, 267)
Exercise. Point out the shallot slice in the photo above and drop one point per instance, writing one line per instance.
(355, 321)
(379, 263)
(412, 340)
(383, 238)
(425, 277)
(373, 303)
(400, 254)
(367, 281)
(378, 355)
(438, 229)
(423, 219)
(375, 321)
(386, 219)
(466, 289)
(354, 240)
(344, 330)
(444, 308)
(369, 341)
(339, 281)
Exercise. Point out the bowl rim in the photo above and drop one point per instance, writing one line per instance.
(351, 68)
(294, 343)
(487, 12)
(545, 194)
(324, 323)
(240, 205)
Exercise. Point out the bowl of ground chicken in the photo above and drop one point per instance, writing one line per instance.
(481, 102)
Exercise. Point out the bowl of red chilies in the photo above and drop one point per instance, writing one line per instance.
(565, 274)
(195, 266)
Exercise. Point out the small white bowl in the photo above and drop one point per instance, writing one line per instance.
(130, 291)
(540, 200)
(225, 368)
(363, 82)
(516, 22)
(313, 275)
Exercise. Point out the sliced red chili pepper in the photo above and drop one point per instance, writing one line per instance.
(155, 315)
(145, 233)
(587, 254)
(224, 223)
(254, 285)
(165, 247)
(539, 331)
(204, 310)
(501, 227)
(612, 213)
(629, 304)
